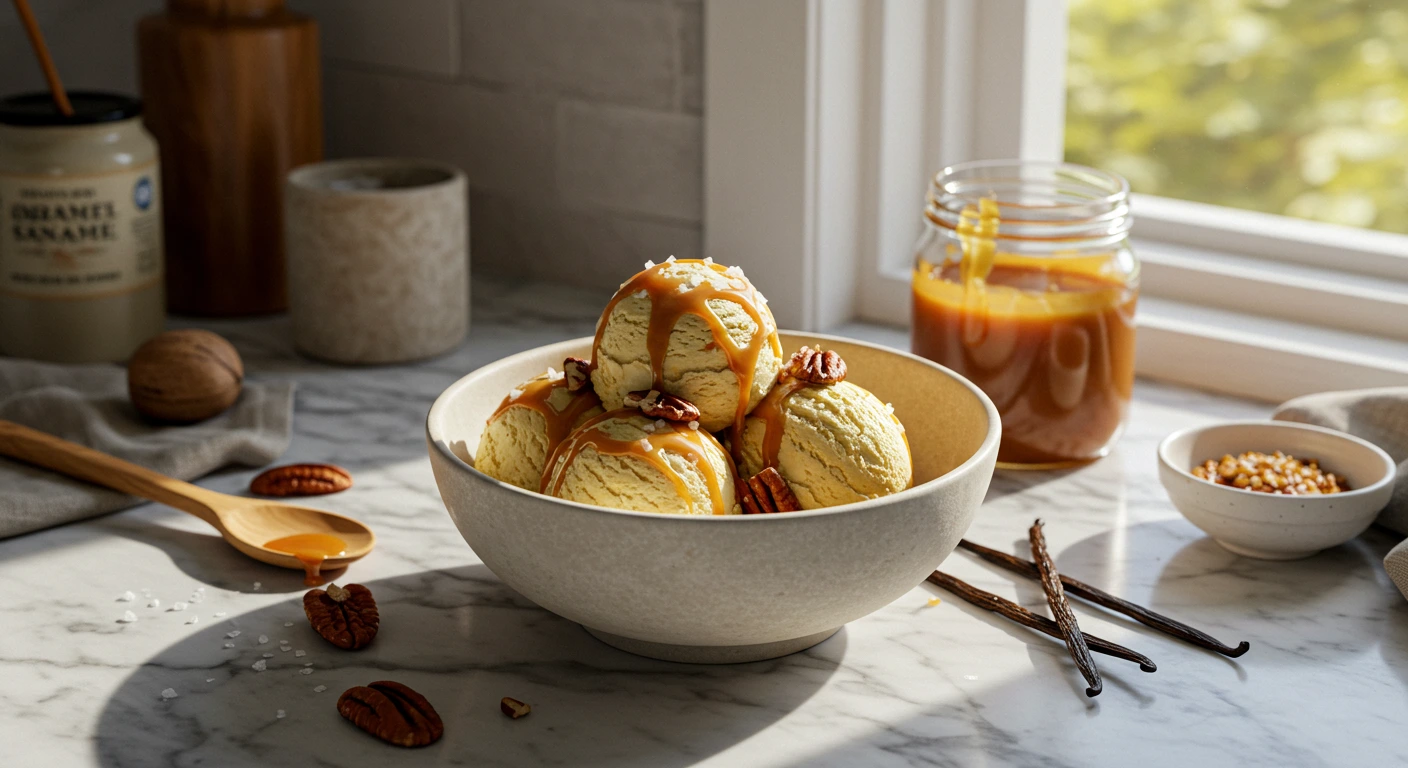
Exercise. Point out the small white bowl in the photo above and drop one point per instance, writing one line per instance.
(736, 587)
(1274, 526)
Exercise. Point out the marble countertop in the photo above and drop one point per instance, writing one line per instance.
(1325, 683)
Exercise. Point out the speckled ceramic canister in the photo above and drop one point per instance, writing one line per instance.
(378, 259)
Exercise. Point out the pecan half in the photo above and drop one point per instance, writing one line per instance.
(766, 493)
(662, 405)
(393, 713)
(514, 708)
(344, 616)
(301, 480)
(578, 372)
(817, 367)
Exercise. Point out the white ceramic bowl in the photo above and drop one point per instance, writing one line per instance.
(1273, 526)
(729, 588)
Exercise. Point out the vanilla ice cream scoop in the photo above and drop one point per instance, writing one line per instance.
(832, 443)
(626, 460)
(531, 421)
(694, 329)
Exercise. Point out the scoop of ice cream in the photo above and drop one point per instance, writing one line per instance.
(833, 443)
(528, 425)
(626, 460)
(693, 329)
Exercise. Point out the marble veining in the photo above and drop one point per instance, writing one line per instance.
(914, 684)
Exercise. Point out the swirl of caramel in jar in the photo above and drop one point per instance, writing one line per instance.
(673, 295)
(692, 444)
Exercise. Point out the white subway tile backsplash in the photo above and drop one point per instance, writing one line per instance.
(414, 35)
(614, 50)
(594, 249)
(503, 141)
(630, 160)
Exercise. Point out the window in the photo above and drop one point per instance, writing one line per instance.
(825, 119)
(1294, 107)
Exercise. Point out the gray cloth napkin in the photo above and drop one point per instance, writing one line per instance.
(1381, 417)
(88, 404)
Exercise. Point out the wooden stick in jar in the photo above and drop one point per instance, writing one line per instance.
(41, 50)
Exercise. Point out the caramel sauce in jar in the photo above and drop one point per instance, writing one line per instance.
(1030, 293)
(311, 549)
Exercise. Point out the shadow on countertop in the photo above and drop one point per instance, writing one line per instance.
(464, 640)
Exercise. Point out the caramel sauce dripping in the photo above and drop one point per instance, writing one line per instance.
(668, 304)
(774, 419)
(311, 549)
(674, 437)
(535, 395)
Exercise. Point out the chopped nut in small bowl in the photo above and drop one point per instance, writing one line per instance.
(1275, 490)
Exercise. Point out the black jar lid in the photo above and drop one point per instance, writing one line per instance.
(89, 107)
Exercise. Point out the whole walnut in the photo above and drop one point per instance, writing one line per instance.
(184, 376)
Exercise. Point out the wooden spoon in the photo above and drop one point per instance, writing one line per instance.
(247, 524)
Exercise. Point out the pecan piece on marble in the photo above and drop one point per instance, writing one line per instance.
(578, 372)
(301, 480)
(766, 493)
(816, 366)
(513, 707)
(662, 405)
(392, 712)
(344, 616)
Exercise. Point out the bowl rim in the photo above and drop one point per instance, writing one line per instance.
(1386, 479)
(986, 449)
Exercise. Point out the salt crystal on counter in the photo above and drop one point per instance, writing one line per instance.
(155, 603)
(260, 666)
(283, 648)
(307, 663)
(126, 597)
(177, 607)
(168, 693)
(209, 679)
(300, 654)
(288, 623)
(280, 714)
(229, 645)
(319, 688)
(219, 614)
(127, 617)
(268, 655)
(233, 633)
(258, 584)
(306, 671)
(193, 620)
(263, 639)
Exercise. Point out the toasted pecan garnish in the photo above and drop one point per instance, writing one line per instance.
(767, 493)
(662, 405)
(816, 367)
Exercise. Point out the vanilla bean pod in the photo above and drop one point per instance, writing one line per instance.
(1102, 598)
(1061, 611)
(1008, 609)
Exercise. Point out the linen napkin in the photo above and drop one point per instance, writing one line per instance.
(1381, 417)
(88, 404)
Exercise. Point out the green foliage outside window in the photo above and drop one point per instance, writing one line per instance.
(1296, 107)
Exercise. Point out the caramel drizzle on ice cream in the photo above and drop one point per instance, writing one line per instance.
(774, 418)
(673, 437)
(535, 394)
(672, 297)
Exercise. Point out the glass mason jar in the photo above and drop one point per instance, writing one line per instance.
(1025, 283)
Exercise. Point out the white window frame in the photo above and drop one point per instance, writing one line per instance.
(822, 132)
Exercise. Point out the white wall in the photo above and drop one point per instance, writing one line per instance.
(578, 121)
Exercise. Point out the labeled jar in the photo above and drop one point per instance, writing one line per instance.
(1025, 283)
(81, 260)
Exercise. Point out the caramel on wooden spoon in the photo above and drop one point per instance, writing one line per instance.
(249, 525)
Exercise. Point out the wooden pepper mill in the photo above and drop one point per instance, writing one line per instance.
(232, 92)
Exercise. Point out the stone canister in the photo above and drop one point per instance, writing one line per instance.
(378, 259)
